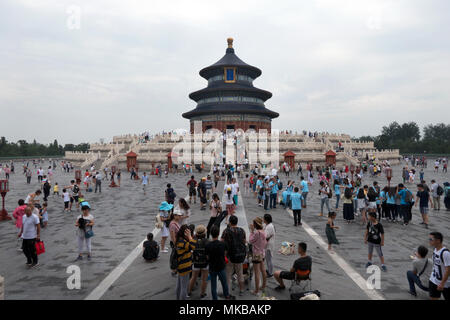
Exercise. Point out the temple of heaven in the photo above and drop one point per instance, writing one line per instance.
(231, 101)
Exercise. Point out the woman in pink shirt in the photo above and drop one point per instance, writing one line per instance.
(258, 241)
(18, 215)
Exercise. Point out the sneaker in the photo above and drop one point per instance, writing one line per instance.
(28, 264)
(165, 251)
(35, 265)
(412, 293)
(203, 296)
(368, 264)
(241, 293)
(79, 258)
(422, 223)
(383, 267)
(426, 226)
(230, 297)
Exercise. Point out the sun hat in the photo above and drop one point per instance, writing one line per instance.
(177, 212)
(258, 221)
(200, 229)
(85, 204)
(165, 206)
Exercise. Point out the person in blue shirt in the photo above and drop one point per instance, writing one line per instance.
(337, 191)
(259, 185)
(405, 212)
(273, 185)
(287, 194)
(296, 203)
(305, 190)
(391, 206)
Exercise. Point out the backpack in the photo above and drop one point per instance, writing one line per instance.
(280, 185)
(75, 189)
(238, 249)
(439, 191)
(199, 254)
(408, 196)
(192, 185)
(171, 194)
(330, 194)
(261, 191)
(173, 261)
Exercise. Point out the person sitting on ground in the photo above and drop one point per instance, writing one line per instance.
(150, 249)
(422, 267)
(302, 267)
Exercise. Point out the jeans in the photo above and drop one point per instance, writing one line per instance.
(273, 200)
(414, 279)
(223, 280)
(437, 203)
(266, 202)
(98, 185)
(405, 213)
(324, 201)
(338, 197)
(182, 287)
(304, 195)
(269, 261)
(29, 250)
(297, 216)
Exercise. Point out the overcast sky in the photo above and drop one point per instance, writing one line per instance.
(338, 66)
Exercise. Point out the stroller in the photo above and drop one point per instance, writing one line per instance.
(247, 270)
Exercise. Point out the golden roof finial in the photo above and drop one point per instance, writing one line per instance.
(230, 42)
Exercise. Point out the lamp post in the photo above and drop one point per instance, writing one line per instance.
(4, 188)
(113, 172)
(388, 171)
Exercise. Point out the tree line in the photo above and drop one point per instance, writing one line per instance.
(22, 148)
(407, 138)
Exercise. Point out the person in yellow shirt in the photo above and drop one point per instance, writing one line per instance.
(56, 189)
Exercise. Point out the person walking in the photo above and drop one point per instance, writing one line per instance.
(30, 232)
(324, 192)
(200, 261)
(329, 231)
(436, 197)
(215, 251)
(98, 182)
(439, 283)
(258, 241)
(269, 230)
(296, 205)
(84, 225)
(374, 238)
(423, 197)
(184, 244)
(235, 240)
(305, 190)
(144, 182)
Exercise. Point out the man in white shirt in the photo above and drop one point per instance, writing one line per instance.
(270, 237)
(436, 198)
(30, 233)
(439, 279)
(98, 182)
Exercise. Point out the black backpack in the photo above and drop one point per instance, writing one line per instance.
(261, 191)
(439, 191)
(199, 254)
(75, 189)
(238, 250)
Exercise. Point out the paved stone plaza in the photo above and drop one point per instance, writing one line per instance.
(124, 216)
